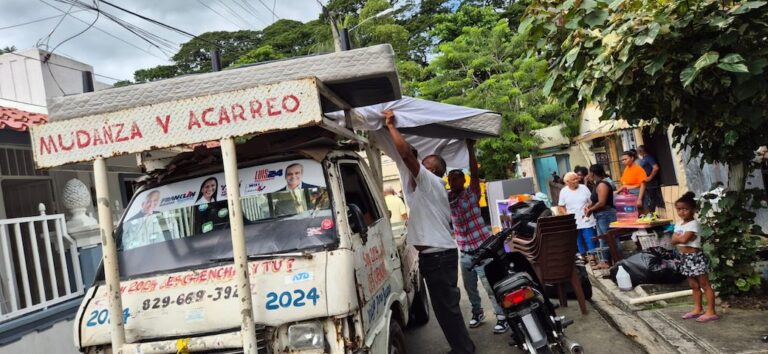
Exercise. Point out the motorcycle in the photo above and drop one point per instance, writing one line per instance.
(535, 328)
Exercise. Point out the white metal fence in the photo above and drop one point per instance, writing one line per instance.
(39, 264)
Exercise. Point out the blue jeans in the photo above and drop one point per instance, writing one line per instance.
(604, 219)
(471, 276)
(584, 240)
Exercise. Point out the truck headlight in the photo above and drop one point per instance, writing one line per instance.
(307, 335)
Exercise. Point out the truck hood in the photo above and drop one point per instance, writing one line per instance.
(195, 302)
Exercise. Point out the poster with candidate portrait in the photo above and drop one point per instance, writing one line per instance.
(255, 180)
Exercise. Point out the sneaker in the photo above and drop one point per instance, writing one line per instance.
(476, 320)
(500, 327)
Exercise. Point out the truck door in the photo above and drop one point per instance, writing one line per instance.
(373, 265)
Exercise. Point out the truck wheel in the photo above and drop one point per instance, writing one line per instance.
(396, 338)
(420, 307)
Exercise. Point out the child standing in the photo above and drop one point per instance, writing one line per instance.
(694, 263)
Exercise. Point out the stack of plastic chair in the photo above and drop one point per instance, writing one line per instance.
(554, 256)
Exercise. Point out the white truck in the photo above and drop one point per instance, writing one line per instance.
(274, 238)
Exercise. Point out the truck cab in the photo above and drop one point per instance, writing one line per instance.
(264, 231)
(325, 270)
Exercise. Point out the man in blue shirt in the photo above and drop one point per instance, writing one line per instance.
(652, 198)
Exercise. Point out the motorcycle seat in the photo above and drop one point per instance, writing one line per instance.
(512, 282)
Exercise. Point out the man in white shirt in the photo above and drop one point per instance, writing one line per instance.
(395, 205)
(429, 231)
(574, 199)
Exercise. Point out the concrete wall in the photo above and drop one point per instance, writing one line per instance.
(701, 179)
(56, 339)
(27, 83)
(21, 81)
(390, 174)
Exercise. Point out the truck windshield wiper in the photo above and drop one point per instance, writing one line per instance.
(303, 254)
(259, 221)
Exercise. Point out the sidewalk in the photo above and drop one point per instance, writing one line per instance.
(657, 326)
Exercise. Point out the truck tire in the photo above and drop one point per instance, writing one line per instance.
(420, 307)
(396, 343)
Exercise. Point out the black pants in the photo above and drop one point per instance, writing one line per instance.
(440, 270)
(653, 199)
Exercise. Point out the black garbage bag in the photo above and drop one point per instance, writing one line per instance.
(586, 286)
(651, 266)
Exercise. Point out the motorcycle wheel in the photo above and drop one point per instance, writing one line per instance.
(529, 345)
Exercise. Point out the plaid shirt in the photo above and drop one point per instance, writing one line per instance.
(468, 223)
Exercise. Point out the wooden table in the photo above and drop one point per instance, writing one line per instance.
(623, 231)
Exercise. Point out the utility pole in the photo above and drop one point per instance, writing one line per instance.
(335, 31)
(216, 60)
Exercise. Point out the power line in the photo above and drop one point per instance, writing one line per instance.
(74, 36)
(256, 12)
(160, 24)
(147, 36)
(110, 34)
(48, 37)
(252, 10)
(218, 13)
(248, 11)
(36, 21)
(235, 14)
(63, 66)
(270, 10)
(274, 4)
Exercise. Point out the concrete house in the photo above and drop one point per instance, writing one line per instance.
(48, 247)
(602, 142)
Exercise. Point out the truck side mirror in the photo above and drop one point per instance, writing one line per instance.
(357, 222)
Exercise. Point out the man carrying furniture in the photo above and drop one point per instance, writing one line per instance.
(470, 230)
(429, 233)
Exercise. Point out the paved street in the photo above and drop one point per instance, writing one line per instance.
(592, 331)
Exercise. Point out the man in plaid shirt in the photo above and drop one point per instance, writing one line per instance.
(471, 231)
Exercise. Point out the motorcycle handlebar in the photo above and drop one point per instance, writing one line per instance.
(490, 247)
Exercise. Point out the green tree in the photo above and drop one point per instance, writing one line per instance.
(486, 67)
(7, 49)
(697, 65)
(293, 38)
(378, 31)
(344, 7)
(420, 24)
(260, 54)
(194, 56)
(386, 30)
(122, 83)
(156, 73)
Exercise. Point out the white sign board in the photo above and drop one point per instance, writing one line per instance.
(284, 105)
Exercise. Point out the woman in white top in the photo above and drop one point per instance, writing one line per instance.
(694, 262)
(574, 199)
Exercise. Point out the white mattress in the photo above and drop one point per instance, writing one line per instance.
(479, 126)
(362, 77)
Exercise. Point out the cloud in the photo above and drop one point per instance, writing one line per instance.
(117, 59)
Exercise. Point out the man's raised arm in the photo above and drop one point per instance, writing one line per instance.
(403, 148)
(474, 175)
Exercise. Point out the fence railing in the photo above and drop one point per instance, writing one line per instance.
(39, 264)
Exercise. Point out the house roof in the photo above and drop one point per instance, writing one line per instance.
(18, 120)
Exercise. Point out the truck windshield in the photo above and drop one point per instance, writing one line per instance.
(286, 207)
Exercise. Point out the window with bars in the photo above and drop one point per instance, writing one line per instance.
(17, 161)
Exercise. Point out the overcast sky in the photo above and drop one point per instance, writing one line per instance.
(114, 58)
